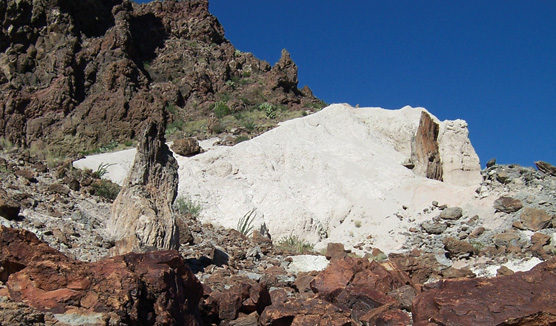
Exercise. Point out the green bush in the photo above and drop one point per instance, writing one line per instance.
(187, 207)
(221, 109)
(241, 138)
(268, 109)
(171, 108)
(106, 189)
(174, 127)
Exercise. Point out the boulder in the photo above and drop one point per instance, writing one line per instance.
(535, 219)
(507, 204)
(434, 227)
(491, 163)
(186, 146)
(155, 288)
(451, 213)
(546, 168)
(359, 285)
(494, 301)
(142, 214)
(307, 311)
(227, 297)
(9, 208)
(458, 248)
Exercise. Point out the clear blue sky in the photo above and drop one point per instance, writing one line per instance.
(491, 63)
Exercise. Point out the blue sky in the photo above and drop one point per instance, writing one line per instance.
(491, 63)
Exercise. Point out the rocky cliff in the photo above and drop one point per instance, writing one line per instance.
(81, 75)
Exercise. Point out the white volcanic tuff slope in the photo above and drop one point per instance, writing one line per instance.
(335, 174)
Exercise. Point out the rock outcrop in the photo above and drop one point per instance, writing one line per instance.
(81, 75)
(507, 300)
(142, 214)
(425, 153)
(155, 288)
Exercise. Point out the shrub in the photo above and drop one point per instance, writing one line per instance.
(174, 127)
(293, 244)
(171, 108)
(241, 138)
(268, 109)
(186, 206)
(5, 144)
(106, 189)
(221, 109)
(245, 224)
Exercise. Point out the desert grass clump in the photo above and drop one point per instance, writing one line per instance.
(293, 244)
(186, 206)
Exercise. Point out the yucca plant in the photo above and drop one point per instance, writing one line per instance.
(245, 224)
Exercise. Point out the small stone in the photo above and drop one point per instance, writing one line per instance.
(491, 163)
(434, 227)
(335, 251)
(219, 257)
(58, 189)
(503, 271)
(477, 232)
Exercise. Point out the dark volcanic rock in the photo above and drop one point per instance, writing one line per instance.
(360, 286)
(507, 300)
(155, 288)
(79, 75)
(310, 311)
(9, 208)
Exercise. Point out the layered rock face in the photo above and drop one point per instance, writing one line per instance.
(142, 214)
(425, 151)
(81, 74)
(140, 289)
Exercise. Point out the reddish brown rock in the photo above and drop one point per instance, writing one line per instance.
(359, 285)
(302, 312)
(420, 268)
(493, 301)
(155, 288)
(227, 297)
(387, 316)
(425, 151)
